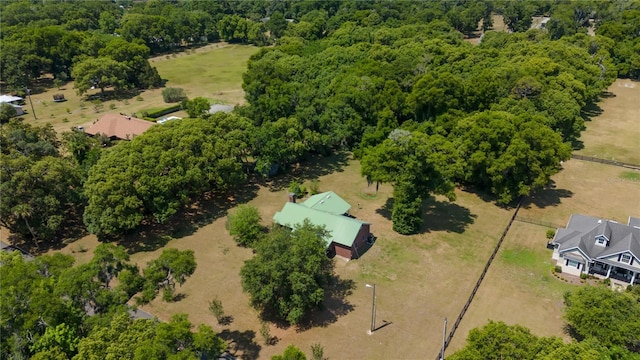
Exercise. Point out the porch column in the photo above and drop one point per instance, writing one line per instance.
(633, 277)
(609, 271)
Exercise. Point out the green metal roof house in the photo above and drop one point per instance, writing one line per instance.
(347, 235)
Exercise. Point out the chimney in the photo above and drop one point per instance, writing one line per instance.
(292, 197)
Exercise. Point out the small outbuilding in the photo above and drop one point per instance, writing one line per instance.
(348, 236)
(13, 101)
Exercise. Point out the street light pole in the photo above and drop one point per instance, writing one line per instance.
(444, 339)
(28, 91)
(373, 309)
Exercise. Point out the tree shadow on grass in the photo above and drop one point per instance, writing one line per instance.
(549, 196)
(211, 206)
(313, 167)
(592, 110)
(241, 343)
(226, 320)
(335, 304)
(445, 216)
(437, 215)
(110, 94)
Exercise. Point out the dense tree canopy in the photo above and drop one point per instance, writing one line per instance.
(287, 276)
(588, 307)
(155, 174)
(52, 309)
(44, 187)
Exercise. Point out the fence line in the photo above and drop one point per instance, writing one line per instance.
(605, 161)
(482, 275)
(538, 222)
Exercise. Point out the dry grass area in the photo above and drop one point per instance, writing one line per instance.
(421, 279)
(590, 189)
(214, 72)
(519, 287)
(614, 134)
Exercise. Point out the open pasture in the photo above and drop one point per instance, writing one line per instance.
(213, 72)
(614, 133)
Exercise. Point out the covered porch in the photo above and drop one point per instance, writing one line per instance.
(605, 269)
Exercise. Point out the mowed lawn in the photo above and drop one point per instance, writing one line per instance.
(213, 72)
(615, 133)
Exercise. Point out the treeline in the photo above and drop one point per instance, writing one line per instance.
(50, 309)
(500, 116)
(52, 37)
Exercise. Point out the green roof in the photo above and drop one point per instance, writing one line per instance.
(342, 230)
(329, 202)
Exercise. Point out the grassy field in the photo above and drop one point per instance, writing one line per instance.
(615, 133)
(519, 287)
(213, 72)
(417, 284)
(420, 279)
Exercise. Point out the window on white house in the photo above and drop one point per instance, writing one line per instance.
(601, 241)
(572, 263)
(625, 258)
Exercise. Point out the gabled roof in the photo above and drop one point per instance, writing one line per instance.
(329, 202)
(119, 126)
(342, 230)
(581, 233)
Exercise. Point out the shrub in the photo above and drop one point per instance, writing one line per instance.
(606, 281)
(215, 306)
(167, 294)
(583, 276)
(265, 331)
(317, 352)
(557, 269)
(314, 187)
(296, 188)
(172, 95)
(112, 106)
(139, 98)
(244, 225)
(550, 234)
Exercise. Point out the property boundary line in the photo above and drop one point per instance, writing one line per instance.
(477, 286)
(538, 222)
(605, 161)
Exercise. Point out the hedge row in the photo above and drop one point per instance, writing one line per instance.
(162, 112)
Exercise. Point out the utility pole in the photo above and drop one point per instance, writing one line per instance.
(28, 91)
(373, 309)
(444, 339)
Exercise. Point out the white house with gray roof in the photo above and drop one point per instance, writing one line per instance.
(599, 247)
